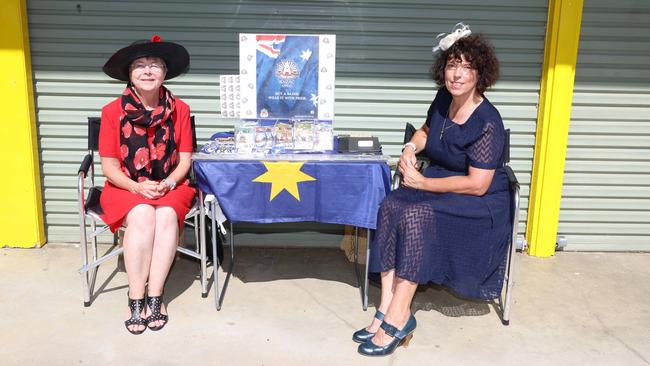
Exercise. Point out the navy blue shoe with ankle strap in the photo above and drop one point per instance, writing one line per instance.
(400, 338)
(362, 335)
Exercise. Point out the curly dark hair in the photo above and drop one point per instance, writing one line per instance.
(478, 51)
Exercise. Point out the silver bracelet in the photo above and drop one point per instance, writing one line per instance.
(170, 183)
(412, 145)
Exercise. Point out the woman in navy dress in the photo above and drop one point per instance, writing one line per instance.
(450, 225)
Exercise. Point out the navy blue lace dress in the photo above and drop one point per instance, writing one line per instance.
(456, 240)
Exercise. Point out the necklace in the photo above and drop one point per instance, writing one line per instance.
(444, 123)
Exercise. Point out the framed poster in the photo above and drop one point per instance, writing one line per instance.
(285, 76)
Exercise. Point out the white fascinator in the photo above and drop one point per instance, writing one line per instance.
(445, 40)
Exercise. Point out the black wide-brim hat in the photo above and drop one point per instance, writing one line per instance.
(176, 58)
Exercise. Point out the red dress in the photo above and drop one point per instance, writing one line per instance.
(117, 202)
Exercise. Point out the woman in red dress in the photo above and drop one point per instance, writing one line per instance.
(145, 144)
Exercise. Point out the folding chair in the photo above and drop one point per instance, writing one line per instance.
(508, 283)
(90, 211)
(422, 159)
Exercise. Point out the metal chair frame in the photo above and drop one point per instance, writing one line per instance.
(89, 211)
(504, 300)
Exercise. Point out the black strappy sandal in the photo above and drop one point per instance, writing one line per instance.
(136, 306)
(155, 304)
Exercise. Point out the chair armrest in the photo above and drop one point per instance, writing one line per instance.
(420, 164)
(397, 180)
(92, 201)
(512, 178)
(85, 164)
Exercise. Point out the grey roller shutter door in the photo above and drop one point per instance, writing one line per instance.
(383, 58)
(606, 196)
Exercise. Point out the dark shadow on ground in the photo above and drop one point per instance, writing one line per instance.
(272, 264)
(330, 264)
(436, 298)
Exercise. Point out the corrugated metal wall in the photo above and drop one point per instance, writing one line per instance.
(606, 197)
(383, 58)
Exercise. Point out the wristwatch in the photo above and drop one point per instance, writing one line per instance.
(170, 183)
(412, 145)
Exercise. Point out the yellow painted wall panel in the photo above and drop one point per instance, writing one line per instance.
(560, 56)
(21, 212)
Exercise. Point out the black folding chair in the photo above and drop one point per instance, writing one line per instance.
(508, 283)
(89, 215)
(422, 159)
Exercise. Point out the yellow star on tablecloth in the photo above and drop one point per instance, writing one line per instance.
(283, 175)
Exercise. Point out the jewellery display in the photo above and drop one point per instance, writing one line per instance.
(323, 136)
(245, 136)
(303, 136)
(264, 136)
(273, 136)
(222, 143)
(282, 135)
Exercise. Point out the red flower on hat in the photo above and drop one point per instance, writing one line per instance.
(156, 38)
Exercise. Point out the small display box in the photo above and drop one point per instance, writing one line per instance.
(355, 144)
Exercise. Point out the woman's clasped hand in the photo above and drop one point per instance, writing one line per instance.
(150, 189)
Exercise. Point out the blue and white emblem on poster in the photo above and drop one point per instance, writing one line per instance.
(287, 76)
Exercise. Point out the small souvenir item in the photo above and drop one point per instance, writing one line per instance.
(264, 136)
(225, 145)
(220, 143)
(210, 147)
(323, 136)
(228, 93)
(283, 135)
(245, 136)
(303, 137)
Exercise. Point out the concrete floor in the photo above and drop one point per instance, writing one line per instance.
(300, 307)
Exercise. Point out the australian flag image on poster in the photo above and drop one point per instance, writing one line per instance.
(287, 76)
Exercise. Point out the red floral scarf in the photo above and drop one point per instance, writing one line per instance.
(147, 144)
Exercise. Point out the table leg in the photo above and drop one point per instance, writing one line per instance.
(356, 261)
(363, 285)
(218, 297)
(365, 278)
(215, 257)
(356, 246)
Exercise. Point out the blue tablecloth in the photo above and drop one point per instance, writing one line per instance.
(267, 191)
